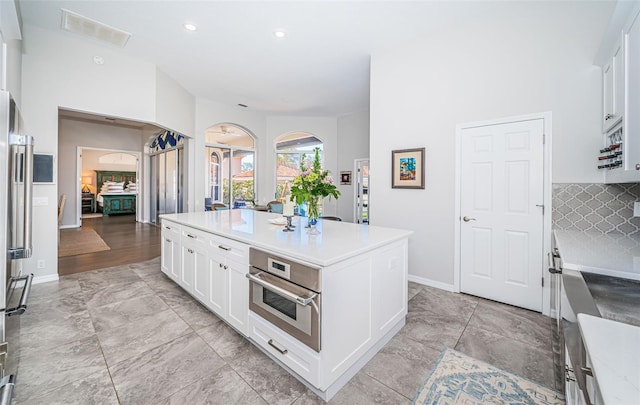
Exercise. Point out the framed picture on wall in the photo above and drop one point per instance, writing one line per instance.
(407, 168)
(345, 177)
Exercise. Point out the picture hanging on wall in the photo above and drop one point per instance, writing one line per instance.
(345, 177)
(407, 168)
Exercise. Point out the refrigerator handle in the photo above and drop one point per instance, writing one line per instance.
(24, 251)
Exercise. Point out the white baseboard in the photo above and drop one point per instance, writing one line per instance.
(45, 279)
(432, 283)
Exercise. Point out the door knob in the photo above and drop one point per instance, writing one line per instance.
(467, 219)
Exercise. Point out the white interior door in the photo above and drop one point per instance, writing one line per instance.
(501, 207)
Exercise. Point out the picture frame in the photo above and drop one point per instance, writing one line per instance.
(345, 177)
(407, 168)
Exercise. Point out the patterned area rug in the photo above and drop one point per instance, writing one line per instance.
(80, 241)
(459, 379)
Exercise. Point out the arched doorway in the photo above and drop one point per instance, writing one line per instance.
(229, 166)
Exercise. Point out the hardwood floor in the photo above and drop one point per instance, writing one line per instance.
(130, 242)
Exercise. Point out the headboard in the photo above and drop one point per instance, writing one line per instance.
(109, 175)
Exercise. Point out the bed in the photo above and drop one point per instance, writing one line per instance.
(111, 203)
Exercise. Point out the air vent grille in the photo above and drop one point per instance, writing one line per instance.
(79, 24)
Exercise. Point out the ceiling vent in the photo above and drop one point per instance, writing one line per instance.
(79, 24)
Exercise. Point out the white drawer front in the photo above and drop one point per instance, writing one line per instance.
(230, 249)
(170, 228)
(194, 236)
(299, 358)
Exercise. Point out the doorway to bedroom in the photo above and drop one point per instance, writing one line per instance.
(101, 185)
(108, 183)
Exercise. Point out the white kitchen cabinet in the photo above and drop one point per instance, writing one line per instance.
(613, 89)
(238, 296)
(210, 268)
(218, 276)
(194, 263)
(632, 106)
(621, 92)
(170, 256)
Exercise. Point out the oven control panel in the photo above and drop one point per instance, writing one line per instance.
(280, 269)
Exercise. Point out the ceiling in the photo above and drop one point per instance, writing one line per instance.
(321, 68)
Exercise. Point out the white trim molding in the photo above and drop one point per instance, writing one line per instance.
(45, 279)
(432, 283)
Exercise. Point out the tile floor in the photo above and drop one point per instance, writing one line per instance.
(129, 335)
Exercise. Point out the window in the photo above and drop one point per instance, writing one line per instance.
(229, 157)
(289, 151)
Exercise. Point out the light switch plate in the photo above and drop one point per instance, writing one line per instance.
(636, 209)
(40, 201)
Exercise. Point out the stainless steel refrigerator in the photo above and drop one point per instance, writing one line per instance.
(16, 182)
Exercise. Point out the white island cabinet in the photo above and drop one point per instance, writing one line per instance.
(363, 283)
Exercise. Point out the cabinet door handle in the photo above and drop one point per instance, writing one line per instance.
(192, 236)
(168, 240)
(282, 351)
(225, 267)
(224, 248)
(220, 265)
(190, 250)
(167, 227)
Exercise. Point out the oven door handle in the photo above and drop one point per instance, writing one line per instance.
(304, 301)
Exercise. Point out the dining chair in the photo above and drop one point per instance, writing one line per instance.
(275, 206)
(219, 206)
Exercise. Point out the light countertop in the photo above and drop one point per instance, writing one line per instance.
(337, 241)
(614, 350)
(609, 254)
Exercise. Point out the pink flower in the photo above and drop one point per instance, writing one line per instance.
(329, 179)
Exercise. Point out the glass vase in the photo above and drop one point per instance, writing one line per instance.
(313, 216)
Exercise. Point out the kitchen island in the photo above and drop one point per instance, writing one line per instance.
(359, 302)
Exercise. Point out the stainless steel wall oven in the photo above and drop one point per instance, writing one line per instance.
(287, 294)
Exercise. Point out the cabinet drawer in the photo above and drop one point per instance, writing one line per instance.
(230, 249)
(195, 237)
(170, 228)
(299, 358)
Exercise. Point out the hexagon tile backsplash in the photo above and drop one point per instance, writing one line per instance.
(604, 208)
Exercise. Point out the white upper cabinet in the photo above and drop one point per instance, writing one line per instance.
(632, 105)
(613, 89)
(619, 57)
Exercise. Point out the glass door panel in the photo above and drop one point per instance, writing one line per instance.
(362, 191)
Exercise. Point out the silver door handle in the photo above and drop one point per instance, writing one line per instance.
(304, 301)
(467, 219)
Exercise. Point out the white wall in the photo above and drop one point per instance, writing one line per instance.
(524, 58)
(58, 71)
(74, 133)
(353, 143)
(175, 107)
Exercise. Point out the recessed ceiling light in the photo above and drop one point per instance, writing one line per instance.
(190, 27)
(280, 33)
